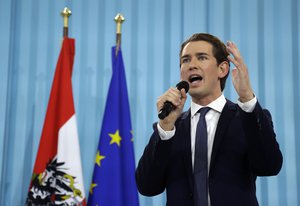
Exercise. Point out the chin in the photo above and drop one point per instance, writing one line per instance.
(195, 93)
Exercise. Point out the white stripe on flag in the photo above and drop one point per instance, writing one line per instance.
(69, 153)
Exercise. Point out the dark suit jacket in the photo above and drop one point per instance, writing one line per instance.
(244, 148)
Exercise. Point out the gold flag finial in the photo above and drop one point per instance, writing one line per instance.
(66, 12)
(119, 19)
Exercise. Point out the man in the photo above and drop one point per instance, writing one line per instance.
(240, 142)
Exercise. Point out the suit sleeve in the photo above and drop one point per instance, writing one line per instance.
(264, 155)
(151, 171)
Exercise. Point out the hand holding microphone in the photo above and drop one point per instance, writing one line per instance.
(168, 107)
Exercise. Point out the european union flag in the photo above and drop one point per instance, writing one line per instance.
(113, 179)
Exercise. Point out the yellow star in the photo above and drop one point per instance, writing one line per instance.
(99, 158)
(115, 138)
(131, 136)
(92, 187)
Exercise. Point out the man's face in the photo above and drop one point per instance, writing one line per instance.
(199, 68)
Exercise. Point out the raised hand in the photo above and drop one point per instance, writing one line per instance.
(240, 75)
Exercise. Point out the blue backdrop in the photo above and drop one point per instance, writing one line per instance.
(266, 31)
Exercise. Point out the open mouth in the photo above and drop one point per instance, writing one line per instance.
(195, 78)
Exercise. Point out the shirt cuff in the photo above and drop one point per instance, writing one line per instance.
(248, 106)
(165, 135)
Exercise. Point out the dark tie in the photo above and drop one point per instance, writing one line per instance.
(200, 161)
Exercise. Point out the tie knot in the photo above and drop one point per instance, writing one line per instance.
(203, 111)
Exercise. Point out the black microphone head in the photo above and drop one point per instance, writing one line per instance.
(183, 85)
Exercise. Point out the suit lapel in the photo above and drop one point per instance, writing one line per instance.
(227, 114)
(186, 121)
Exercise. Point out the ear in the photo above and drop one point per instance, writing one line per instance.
(223, 69)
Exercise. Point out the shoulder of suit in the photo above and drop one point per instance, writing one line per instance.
(231, 105)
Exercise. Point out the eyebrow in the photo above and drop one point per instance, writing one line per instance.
(185, 56)
(202, 53)
(197, 54)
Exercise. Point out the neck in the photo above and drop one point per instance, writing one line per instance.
(205, 100)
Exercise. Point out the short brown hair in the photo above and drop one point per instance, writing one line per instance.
(219, 50)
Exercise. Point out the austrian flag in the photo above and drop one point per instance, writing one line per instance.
(57, 175)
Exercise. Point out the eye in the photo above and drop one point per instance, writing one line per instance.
(185, 60)
(202, 57)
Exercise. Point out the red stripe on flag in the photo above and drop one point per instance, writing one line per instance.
(60, 106)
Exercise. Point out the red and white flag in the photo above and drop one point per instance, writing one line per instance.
(57, 176)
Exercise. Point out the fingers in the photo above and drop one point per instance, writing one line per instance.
(183, 94)
(236, 57)
(240, 76)
(173, 95)
(182, 98)
(232, 49)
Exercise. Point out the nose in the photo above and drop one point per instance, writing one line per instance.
(192, 64)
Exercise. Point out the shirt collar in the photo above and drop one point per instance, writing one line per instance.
(216, 105)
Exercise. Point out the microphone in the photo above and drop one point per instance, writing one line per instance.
(168, 106)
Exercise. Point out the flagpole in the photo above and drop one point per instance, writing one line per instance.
(65, 14)
(119, 19)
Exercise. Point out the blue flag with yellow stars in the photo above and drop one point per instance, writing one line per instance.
(113, 181)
